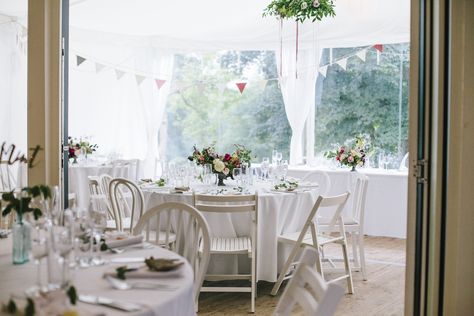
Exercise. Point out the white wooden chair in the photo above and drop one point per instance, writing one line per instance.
(310, 235)
(125, 213)
(191, 233)
(321, 178)
(308, 290)
(100, 201)
(245, 245)
(354, 224)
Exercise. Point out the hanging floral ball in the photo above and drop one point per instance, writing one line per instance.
(304, 5)
(315, 3)
(300, 10)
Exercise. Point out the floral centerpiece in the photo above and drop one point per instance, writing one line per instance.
(78, 147)
(222, 164)
(300, 10)
(353, 154)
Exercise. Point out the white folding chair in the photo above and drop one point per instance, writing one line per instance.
(321, 178)
(310, 235)
(125, 213)
(245, 245)
(354, 224)
(191, 233)
(308, 290)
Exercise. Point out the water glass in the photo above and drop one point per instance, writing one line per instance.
(274, 156)
(237, 174)
(264, 167)
(284, 169)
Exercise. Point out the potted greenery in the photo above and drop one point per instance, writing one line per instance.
(22, 203)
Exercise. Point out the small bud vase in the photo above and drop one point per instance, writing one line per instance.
(21, 236)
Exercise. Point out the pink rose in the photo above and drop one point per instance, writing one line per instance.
(226, 171)
(315, 3)
(350, 159)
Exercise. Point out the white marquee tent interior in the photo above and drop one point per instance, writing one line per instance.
(135, 41)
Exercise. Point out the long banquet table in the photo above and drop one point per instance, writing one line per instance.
(277, 213)
(387, 194)
(14, 279)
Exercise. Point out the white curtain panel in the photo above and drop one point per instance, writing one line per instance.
(13, 121)
(297, 84)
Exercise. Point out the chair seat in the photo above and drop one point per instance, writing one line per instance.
(308, 239)
(322, 221)
(231, 245)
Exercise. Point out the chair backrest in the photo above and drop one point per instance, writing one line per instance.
(225, 203)
(359, 196)
(190, 230)
(320, 177)
(308, 289)
(120, 204)
(7, 180)
(98, 197)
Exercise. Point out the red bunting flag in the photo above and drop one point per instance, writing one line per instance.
(241, 86)
(379, 47)
(159, 83)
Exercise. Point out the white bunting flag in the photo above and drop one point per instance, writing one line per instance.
(362, 54)
(139, 79)
(99, 67)
(221, 86)
(262, 84)
(119, 74)
(323, 70)
(79, 60)
(342, 63)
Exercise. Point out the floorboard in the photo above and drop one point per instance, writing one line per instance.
(382, 294)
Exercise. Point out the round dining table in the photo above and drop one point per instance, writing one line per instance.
(278, 213)
(179, 300)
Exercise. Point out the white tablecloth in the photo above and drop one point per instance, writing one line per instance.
(79, 182)
(387, 194)
(277, 213)
(17, 278)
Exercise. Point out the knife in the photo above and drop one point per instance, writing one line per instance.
(98, 300)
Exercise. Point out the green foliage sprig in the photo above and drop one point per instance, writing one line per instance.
(300, 10)
(22, 204)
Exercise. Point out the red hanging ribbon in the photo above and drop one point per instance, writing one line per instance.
(296, 65)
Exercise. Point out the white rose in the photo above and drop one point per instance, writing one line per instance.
(304, 5)
(315, 3)
(218, 165)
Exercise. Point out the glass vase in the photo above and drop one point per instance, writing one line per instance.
(21, 235)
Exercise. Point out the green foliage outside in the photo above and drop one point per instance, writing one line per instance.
(364, 99)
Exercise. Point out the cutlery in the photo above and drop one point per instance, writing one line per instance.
(123, 286)
(128, 260)
(98, 300)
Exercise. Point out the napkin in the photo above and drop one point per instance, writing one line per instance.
(144, 273)
(122, 241)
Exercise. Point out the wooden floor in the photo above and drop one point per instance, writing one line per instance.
(381, 294)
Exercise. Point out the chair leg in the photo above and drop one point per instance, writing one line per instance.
(355, 254)
(360, 236)
(319, 263)
(350, 287)
(285, 269)
(254, 285)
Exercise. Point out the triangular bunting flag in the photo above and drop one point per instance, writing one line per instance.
(221, 87)
(99, 67)
(139, 79)
(119, 74)
(379, 47)
(342, 63)
(159, 83)
(241, 86)
(80, 60)
(262, 84)
(323, 70)
(362, 54)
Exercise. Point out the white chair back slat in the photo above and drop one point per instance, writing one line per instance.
(120, 204)
(194, 242)
(320, 177)
(308, 289)
(359, 196)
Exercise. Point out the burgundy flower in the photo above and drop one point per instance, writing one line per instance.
(227, 157)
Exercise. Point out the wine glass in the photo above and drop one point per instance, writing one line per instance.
(264, 167)
(279, 157)
(98, 221)
(284, 168)
(39, 251)
(274, 156)
(237, 175)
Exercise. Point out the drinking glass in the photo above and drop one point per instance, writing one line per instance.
(284, 168)
(38, 252)
(264, 167)
(274, 156)
(237, 174)
(279, 157)
(98, 222)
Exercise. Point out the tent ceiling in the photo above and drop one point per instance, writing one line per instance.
(218, 24)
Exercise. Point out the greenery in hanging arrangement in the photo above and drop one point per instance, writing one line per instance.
(300, 10)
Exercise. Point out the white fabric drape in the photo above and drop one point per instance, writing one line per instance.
(13, 123)
(297, 82)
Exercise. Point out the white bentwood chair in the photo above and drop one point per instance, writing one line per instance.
(186, 232)
(354, 224)
(126, 214)
(321, 178)
(245, 245)
(100, 201)
(311, 236)
(308, 289)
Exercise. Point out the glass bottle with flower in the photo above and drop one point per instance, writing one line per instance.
(353, 154)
